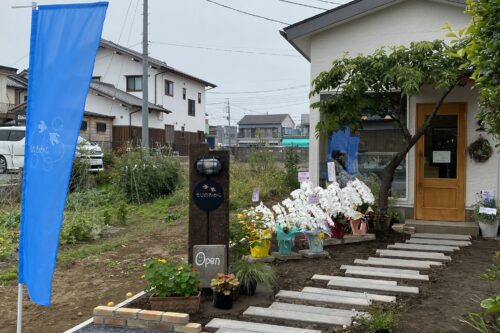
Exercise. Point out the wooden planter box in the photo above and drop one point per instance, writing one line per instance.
(189, 304)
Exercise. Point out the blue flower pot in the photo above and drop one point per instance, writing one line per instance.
(285, 247)
(315, 245)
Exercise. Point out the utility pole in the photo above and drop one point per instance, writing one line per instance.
(145, 65)
(229, 121)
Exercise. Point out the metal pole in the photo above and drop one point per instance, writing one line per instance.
(229, 121)
(145, 64)
(19, 308)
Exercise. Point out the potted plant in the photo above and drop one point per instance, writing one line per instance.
(223, 286)
(174, 286)
(486, 215)
(250, 274)
(286, 230)
(258, 226)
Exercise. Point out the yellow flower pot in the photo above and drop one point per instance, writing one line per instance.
(261, 249)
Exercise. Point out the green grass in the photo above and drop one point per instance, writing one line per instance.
(71, 255)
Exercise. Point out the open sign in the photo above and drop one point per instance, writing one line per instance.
(208, 260)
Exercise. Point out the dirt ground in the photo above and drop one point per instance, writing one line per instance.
(452, 292)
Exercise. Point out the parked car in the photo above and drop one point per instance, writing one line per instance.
(12, 150)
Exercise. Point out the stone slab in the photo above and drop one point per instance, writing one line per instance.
(349, 239)
(381, 269)
(442, 227)
(442, 236)
(292, 256)
(323, 299)
(313, 255)
(368, 273)
(354, 294)
(328, 278)
(315, 309)
(267, 259)
(438, 242)
(236, 325)
(391, 262)
(349, 284)
(293, 316)
(423, 247)
(413, 254)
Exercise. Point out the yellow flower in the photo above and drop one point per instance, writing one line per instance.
(267, 234)
(162, 260)
(241, 216)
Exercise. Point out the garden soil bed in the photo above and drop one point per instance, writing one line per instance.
(452, 292)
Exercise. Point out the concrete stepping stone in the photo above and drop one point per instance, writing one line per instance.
(365, 284)
(442, 236)
(297, 316)
(354, 294)
(381, 269)
(423, 247)
(438, 242)
(316, 298)
(413, 254)
(316, 309)
(328, 278)
(390, 262)
(367, 273)
(218, 324)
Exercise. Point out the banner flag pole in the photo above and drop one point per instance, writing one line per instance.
(19, 308)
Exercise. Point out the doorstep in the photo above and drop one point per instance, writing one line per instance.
(442, 227)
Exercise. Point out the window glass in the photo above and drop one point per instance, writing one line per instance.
(83, 127)
(184, 92)
(440, 147)
(199, 98)
(191, 108)
(169, 88)
(101, 127)
(4, 135)
(134, 83)
(16, 135)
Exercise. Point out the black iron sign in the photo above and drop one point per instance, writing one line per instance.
(208, 195)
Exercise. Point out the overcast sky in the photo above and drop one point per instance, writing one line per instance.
(237, 52)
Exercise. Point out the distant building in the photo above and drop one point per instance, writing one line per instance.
(265, 130)
(304, 124)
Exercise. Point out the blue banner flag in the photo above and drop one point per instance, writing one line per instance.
(64, 43)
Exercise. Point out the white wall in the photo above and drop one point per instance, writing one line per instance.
(3, 89)
(113, 68)
(400, 24)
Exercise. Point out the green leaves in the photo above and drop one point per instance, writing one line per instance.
(365, 85)
(170, 278)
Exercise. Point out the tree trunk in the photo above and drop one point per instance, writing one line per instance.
(388, 173)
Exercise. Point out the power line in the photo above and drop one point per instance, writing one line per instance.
(247, 13)
(225, 50)
(302, 4)
(256, 92)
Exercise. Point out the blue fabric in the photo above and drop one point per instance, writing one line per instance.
(64, 43)
(348, 144)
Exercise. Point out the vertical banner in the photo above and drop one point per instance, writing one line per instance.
(64, 43)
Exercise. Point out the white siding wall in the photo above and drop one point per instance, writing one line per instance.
(400, 24)
(113, 68)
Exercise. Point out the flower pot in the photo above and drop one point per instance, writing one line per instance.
(224, 302)
(261, 249)
(383, 330)
(285, 246)
(315, 243)
(488, 230)
(189, 304)
(358, 227)
(248, 289)
(337, 230)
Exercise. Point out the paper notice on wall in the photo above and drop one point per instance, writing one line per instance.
(303, 176)
(255, 194)
(441, 156)
(313, 199)
(488, 195)
(488, 211)
(331, 172)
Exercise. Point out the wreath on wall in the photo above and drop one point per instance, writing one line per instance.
(480, 150)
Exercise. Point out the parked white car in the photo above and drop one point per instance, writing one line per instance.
(12, 150)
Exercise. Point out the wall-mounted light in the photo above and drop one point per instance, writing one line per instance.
(208, 166)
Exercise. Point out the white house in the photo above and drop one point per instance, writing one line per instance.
(435, 183)
(177, 99)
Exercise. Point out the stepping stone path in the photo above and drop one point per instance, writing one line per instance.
(365, 282)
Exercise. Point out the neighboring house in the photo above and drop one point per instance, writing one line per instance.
(438, 181)
(170, 90)
(264, 130)
(304, 124)
(12, 93)
(225, 136)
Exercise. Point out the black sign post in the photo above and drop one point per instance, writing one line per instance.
(209, 198)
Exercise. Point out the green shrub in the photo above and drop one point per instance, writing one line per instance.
(10, 219)
(105, 177)
(171, 278)
(378, 318)
(8, 243)
(291, 170)
(121, 213)
(81, 177)
(80, 229)
(147, 178)
(262, 161)
(92, 198)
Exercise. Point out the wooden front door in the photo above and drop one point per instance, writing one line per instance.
(440, 164)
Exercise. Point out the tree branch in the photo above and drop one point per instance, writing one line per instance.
(404, 129)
